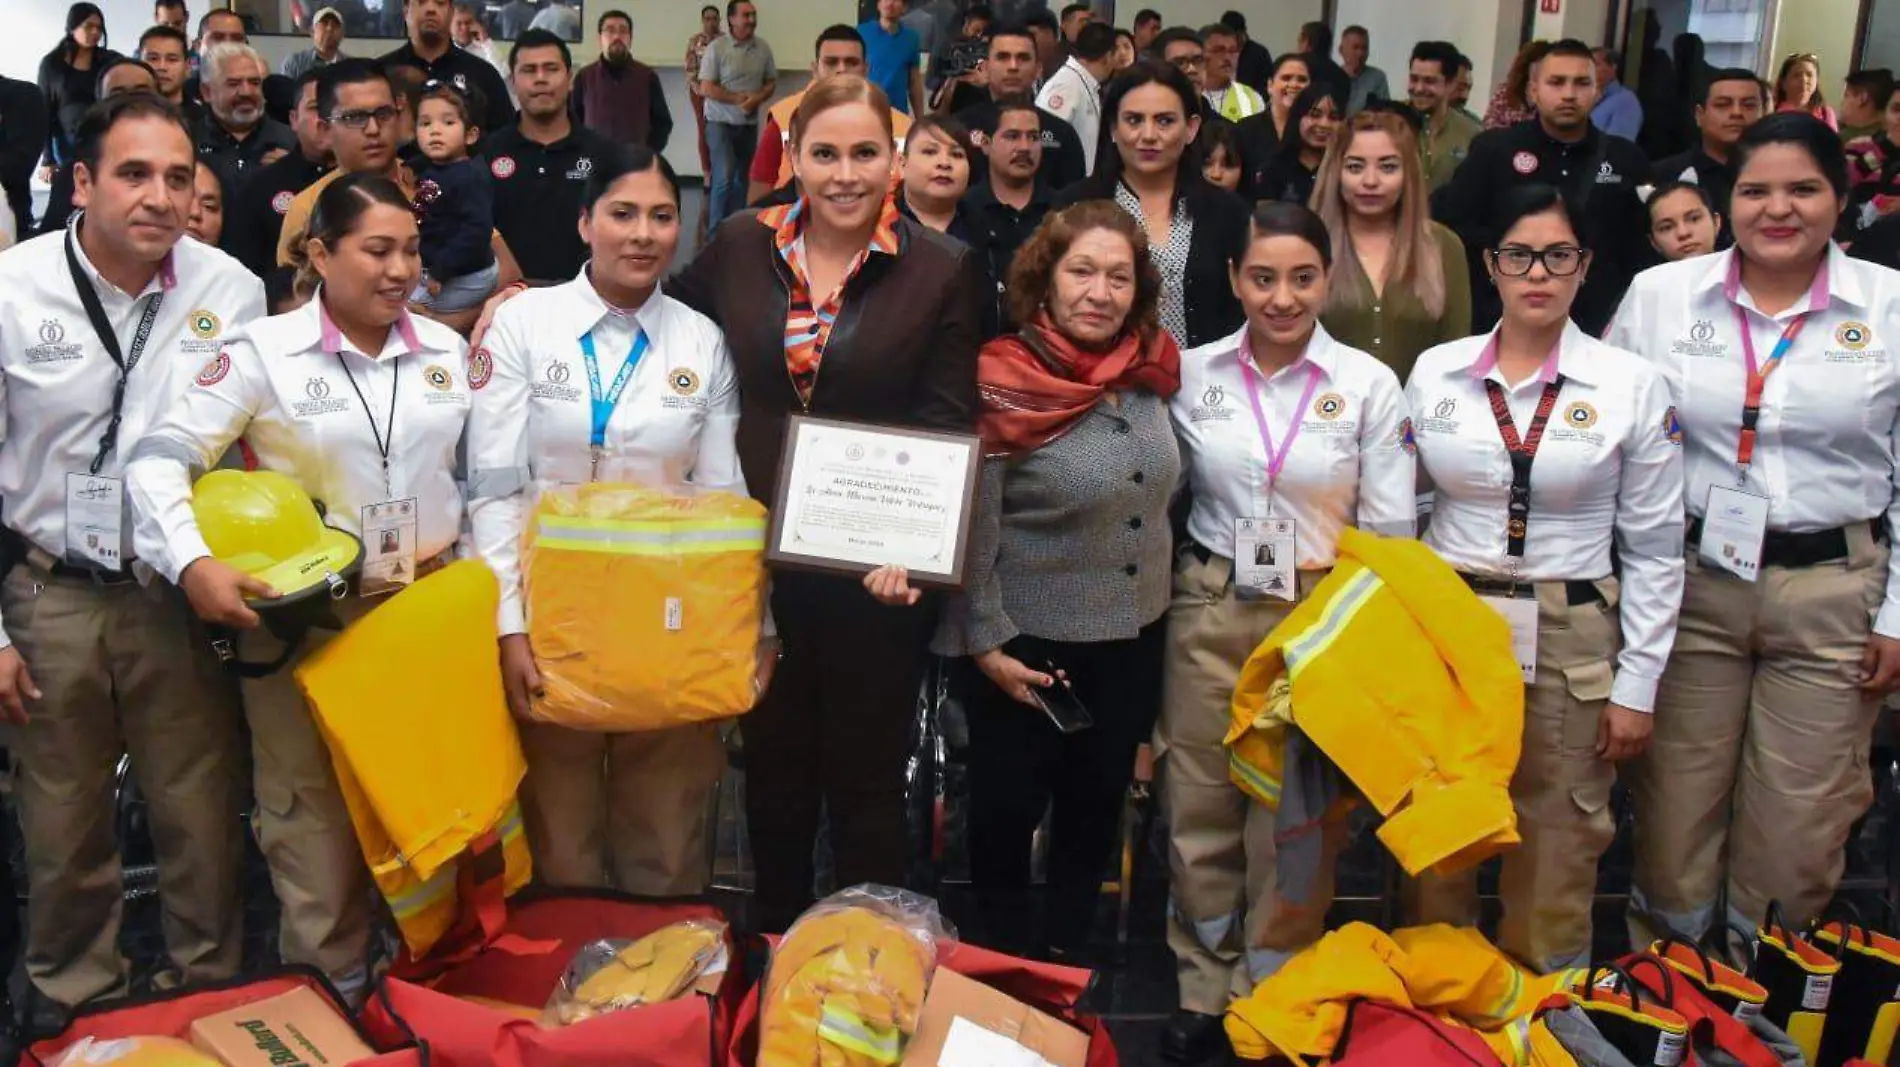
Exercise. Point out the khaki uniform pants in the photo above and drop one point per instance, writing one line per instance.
(1561, 791)
(125, 670)
(1227, 926)
(1758, 768)
(626, 811)
(303, 827)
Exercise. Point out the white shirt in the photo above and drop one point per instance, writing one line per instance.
(1825, 452)
(677, 423)
(1073, 95)
(1347, 465)
(56, 380)
(1608, 466)
(285, 385)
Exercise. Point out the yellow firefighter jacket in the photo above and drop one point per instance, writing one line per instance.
(843, 990)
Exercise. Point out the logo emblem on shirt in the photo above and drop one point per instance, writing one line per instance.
(438, 376)
(481, 367)
(1408, 440)
(204, 324)
(684, 381)
(214, 371)
(1055, 102)
(281, 202)
(1702, 332)
(1672, 426)
(502, 167)
(1445, 409)
(461, 82)
(1853, 336)
(52, 332)
(1330, 406)
(1580, 416)
(1214, 397)
(1607, 175)
(1212, 406)
(53, 346)
(581, 169)
(317, 389)
(1524, 163)
(558, 372)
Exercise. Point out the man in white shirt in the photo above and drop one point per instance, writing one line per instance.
(1074, 93)
(101, 325)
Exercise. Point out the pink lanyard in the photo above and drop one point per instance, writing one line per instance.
(1276, 461)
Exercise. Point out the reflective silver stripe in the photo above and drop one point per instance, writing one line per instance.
(496, 482)
(154, 447)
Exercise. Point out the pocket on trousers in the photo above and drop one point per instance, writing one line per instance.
(1588, 685)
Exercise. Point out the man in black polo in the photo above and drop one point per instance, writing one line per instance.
(1014, 70)
(1013, 200)
(1597, 172)
(540, 162)
(235, 138)
(255, 220)
(1729, 102)
(430, 51)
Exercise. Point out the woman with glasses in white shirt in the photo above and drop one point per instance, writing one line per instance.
(1777, 351)
(659, 406)
(1287, 437)
(1542, 449)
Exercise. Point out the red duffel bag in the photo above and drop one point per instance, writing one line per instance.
(523, 965)
(1044, 986)
(171, 1015)
(1377, 1034)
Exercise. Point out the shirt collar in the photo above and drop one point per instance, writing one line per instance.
(984, 196)
(1319, 351)
(1578, 368)
(329, 337)
(1838, 279)
(1088, 79)
(164, 281)
(591, 309)
(787, 223)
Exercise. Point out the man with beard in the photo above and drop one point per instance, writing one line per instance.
(540, 163)
(235, 138)
(430, 51)
(1597, 173)
(1447, 134)
(618, 96)
(1014, 200)
(254, 221)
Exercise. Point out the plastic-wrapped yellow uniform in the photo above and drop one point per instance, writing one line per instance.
(135, 1052)
(1452, 972)
(654, 969)
(613, 568)
(1406, 681)
(411, 706)
(844, 990)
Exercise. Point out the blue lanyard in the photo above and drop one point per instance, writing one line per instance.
(604, 404)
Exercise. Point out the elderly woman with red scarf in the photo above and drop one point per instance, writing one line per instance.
(1069, 569)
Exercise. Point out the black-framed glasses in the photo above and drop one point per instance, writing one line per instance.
(1188, 62)
(1560, 261)
(357, 119)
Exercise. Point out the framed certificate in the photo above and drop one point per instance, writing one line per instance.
(853, 497)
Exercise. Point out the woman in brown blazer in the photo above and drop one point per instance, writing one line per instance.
(839, 307)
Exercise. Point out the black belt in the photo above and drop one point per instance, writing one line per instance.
(95, 575)
(1201, 551)
(1576, 592)
(1783, 549)
(16, 548)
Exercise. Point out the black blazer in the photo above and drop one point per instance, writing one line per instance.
(1220, 220)
(902, 352)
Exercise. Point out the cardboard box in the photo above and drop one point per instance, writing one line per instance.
(296, 1029)
(965, 1023)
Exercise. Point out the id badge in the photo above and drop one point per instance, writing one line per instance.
(95, 521)
(389, 546)
(1734, 525)
(1521, 616)
(1266, 559)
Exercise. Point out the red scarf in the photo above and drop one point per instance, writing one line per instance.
(1037, 384)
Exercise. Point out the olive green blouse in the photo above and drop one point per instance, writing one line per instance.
(1395, 327)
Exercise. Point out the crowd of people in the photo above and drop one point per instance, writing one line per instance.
(1206, 309)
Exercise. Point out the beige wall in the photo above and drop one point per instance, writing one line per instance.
(1824, 27)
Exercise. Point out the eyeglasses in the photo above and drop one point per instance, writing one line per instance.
(1188, 62)
(1560, 261)
(359, 119)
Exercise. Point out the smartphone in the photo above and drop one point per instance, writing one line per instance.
(1060, 703)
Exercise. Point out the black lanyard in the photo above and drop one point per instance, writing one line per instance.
(96, 314)
(382, 443)
(1523, 453)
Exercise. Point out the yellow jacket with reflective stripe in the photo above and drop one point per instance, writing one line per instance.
(1451, 972)
(644, 606)
(1406, 681)
(843, 990)
(411, 707)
